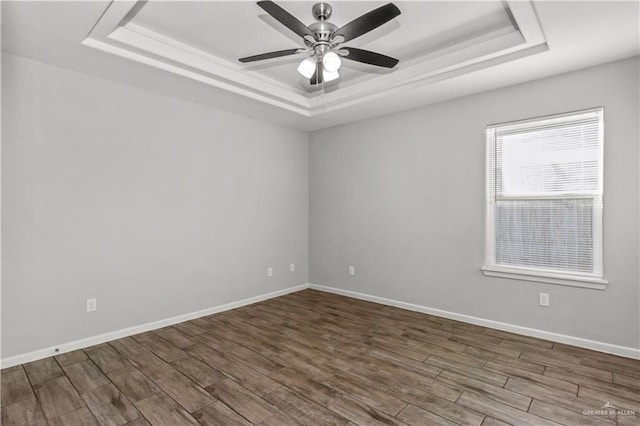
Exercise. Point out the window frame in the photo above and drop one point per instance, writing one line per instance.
(491, 268)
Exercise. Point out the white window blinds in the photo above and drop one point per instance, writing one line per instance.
(544, 195)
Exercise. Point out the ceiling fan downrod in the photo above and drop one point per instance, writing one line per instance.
(323, 29)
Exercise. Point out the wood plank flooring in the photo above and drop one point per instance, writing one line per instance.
(314, 358)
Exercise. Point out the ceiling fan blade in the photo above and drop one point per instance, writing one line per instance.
(270, 55)
(317, 76)
(367, 22)
(285, 18)
(369, 57)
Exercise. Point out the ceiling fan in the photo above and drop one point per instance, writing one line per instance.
(323, 39)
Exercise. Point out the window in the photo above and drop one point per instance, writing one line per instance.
(544, 199)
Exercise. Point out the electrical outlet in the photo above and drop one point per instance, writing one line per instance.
(269, 272)
(544, 299)
(292, 267)
(352, 270)
(92, 305)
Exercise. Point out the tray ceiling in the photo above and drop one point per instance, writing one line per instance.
(203, 40)
(447, 49)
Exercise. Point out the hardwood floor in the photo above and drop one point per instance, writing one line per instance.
(317, 358)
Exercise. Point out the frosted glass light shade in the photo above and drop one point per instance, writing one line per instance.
(330, 75)
(307, 67)
(331, 62)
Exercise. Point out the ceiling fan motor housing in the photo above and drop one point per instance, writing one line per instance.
(323, 30)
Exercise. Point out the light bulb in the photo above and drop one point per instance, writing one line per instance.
(331, 62)
(330, 75)
(307, 67)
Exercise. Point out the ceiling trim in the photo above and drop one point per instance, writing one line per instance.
(117, 34)
(193, 75)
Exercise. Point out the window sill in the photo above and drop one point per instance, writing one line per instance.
(525, 275)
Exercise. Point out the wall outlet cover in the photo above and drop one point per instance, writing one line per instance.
(544, 299)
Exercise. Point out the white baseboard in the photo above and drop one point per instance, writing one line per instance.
(541, 334)
(112, 335)
(106, 337)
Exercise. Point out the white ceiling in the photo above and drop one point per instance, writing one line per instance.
(446, 49)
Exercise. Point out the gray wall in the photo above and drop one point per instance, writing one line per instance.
(155, 206)
(159, 207)
(401, 198)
